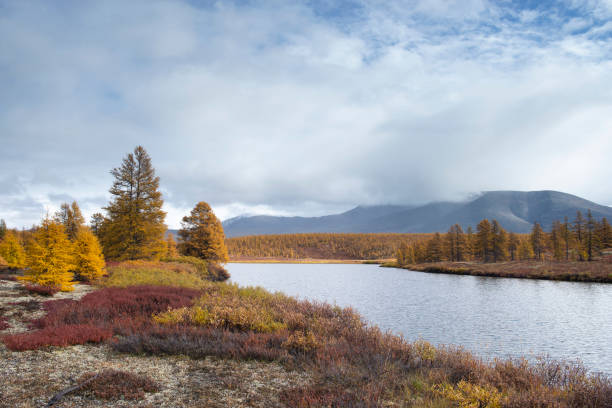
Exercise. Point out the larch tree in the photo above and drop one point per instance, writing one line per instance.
(605, 234)
(171, 250)
(483, 240)
(513, 245)
(3, 229)
(435, 252)
(538, 240)
(525, 251)
(556, 240)
(566, 234)
(134, 227)
(12, 251)
(202, 235)
(499, 242)
(578, 229)
(96, 224)
(70, 216)
(455, 242)
(88, 259)
(50, 257)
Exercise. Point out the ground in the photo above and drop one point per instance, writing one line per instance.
(32, 378)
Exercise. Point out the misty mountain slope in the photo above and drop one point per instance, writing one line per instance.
(515, 210)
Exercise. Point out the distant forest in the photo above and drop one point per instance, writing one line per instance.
(320, 246)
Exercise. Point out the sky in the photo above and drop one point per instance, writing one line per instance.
(303, 107)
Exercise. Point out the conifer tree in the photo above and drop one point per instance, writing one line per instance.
(469, 244)
(513, 245)
(96, 224)
(71, 218)
(525, 251)
(171, 250)
(12, 251)
(483, 240)
(579, 227)
(89, 261)
(537, 239)
(591, 243)
(556, 240)
(202, 235)
(435, 248)
(455, 242)
(134, 228)
(50, 257)
(499, 242)
(566, 234)
(3, 229)
(605, 234)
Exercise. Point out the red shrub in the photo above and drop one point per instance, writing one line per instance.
(115, 384)
(4, 323)
(99, 314)
(42, 290)
(57, 336)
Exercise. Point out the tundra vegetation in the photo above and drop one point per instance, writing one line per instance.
(147, 300)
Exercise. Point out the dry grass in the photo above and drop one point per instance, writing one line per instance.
(599, 271)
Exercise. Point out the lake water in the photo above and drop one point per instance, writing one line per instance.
(490, 316)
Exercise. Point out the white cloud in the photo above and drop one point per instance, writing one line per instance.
(273, 109)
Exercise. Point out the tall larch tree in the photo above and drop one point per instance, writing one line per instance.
(566, 234)
(556, 240)
(591, 239)
(70, 216)
(202, 235)
(538, 240)
(513, 245)
(483, 240)
(134, 227)
(12, 251)
(499, 242)
(579, 228)
(89, 261)
(50, 257)
(605, 234)
(96, 224)
(455, 243)
(171, 249)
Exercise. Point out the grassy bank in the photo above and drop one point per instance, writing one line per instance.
(347, 362)
(307, 261)
(600, 271)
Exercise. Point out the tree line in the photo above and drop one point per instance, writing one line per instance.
(132, 227)
(582, 239)
(320, 245)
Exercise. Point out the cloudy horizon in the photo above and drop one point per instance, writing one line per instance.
(303, 108)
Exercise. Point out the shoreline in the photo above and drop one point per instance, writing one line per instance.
(553, 271)
(309, 261)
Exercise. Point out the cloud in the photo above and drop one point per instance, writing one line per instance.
(302, 108)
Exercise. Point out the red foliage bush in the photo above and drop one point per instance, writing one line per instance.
(100, 314)
(4, 323)
(57, 336)
(42, 290)
(115, 384)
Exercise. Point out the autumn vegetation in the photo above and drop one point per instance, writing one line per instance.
(155, 296)
(320, 246)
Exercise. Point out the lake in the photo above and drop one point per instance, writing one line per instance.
(494, 317)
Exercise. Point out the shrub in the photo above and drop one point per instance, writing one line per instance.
(4, 324)
(111, 310)
(66, 335)
(42, 290)
(132, 273)
(115, 384)
(207, 270)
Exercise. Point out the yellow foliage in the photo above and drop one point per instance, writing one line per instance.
(50, 257)
(425, 350)
(89, 261)
(202, 235)
(300, 341)
(469, 395)
(171, 251)
(132, 273)
(12, 251)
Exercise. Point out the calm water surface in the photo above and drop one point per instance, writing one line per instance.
(490, 316)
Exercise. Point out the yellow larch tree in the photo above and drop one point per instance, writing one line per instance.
(50, 257)
(172, 252)
(12, 251)
(88, 259)
(202, 235)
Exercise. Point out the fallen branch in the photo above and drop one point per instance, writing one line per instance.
(56, 398)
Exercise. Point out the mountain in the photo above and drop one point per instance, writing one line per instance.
(515, 210)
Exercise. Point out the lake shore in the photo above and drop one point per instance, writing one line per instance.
(597, 272)
(273, 260)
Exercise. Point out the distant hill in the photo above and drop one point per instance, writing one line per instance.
(515, 210)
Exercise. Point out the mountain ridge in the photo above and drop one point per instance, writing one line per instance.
(515, 210)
